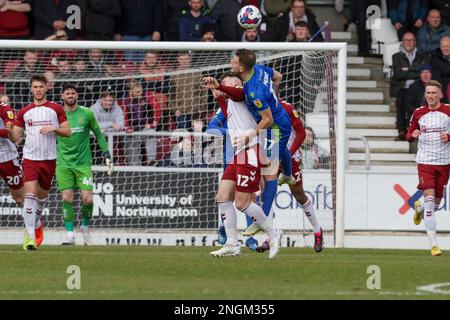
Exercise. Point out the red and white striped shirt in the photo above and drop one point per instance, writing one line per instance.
(239, 119)
(8, 149)
(33, 118)
(431, 150)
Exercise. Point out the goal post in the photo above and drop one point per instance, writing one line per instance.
(314, 80)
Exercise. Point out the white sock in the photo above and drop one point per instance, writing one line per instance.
(430, 219)
(39, 205)
(70, 234)
(230, 222)
(257, 213)
(29, 214)
(310, 213)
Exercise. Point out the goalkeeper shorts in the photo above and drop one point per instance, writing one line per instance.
(74, 178)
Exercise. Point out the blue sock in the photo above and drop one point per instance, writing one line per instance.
(270, 191)
(286, 162)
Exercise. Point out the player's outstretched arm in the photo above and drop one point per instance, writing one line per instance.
(15, 134)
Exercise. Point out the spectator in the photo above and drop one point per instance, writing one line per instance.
(59, 34)
(192, 21)
(353, 16)
(100, 19)
(153, 71)
(429, 36)
(224, 14)
(208, 33)
(14, 19)
(109, 115)
(19, 90)
(140, 21)
(50, 16)
(299, 12)
(313, 155)
(184, 153)
(110, 118)
(440, 66)
(64, 68)
(252, 35)
(407, 15)
(53, 94)
(173, 9)
(415, 97)
(443, 6)
(4, 99)
(406, 64)
(186, 92)
(140, 118)
(302, 32)
(96, 61)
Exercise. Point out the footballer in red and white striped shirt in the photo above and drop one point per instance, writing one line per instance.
(42, 121)
(10, 169)
(430, 124)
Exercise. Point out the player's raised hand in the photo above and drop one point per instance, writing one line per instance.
(47, 130)
(443, 136)
(416, 133)
(211, 83)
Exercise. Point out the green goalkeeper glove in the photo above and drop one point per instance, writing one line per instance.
(109, 163)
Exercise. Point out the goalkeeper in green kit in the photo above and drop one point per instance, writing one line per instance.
(73, 162)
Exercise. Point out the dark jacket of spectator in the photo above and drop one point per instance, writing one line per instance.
(224, 13)
(45, 13)
(415, 97)
(172, 12)
(141, 18)
(444, 8)
(191, 27)
(440, 69)
(428, 40)
(398, 10)
(312, 23)
(403, 70)
(14, 24)
(139, 113)
(100, 19)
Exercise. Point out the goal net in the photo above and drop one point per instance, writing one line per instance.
(150, 102)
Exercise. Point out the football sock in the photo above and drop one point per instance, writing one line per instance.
(310, 213)
(258, 215)
(286, 162)
(269, 194)
(430, 219)
(68, 215)
(86, 211)
(29, 214)
(227, 210)
(39, 209)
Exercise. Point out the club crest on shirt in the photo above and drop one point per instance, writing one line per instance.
(258, 103)
(10, 115)
(295, 113)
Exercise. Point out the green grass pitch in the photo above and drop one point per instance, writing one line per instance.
(137, 272)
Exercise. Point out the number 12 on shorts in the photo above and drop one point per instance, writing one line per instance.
(242, 180)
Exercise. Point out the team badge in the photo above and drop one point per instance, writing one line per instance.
(10, 115)
(258, 103)
(295, 113)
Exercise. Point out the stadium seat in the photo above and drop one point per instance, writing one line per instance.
(382, 35)
(389, 50)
